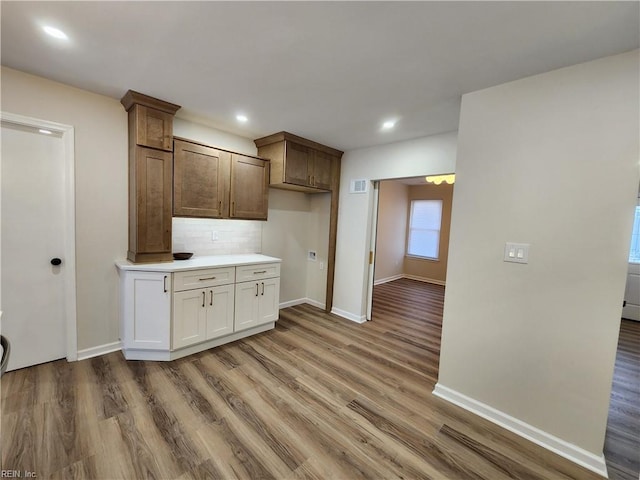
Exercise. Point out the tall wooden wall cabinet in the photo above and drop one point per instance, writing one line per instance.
(150, 177)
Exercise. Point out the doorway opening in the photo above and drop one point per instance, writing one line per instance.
(409, 238)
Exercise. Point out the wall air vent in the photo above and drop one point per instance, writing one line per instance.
(358, 186)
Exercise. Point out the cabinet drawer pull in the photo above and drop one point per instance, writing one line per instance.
(256, 289)
(211, 298)
(203, 295)
(257, 273)
(208, 278)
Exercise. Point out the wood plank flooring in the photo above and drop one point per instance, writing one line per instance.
(318, 397)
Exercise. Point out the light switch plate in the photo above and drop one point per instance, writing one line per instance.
(516, 252)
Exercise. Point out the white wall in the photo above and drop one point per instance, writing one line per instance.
(101, 190)
(429, 155)
(391, 236)
(551, 160)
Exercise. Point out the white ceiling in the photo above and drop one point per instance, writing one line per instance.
(328, 71)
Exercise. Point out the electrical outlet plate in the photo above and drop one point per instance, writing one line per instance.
(516, 252)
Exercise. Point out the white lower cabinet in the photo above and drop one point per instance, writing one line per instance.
(146, 310)
(164, 317)
(257, 303)
(203, 314)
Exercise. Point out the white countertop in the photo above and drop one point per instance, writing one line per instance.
(195, 263)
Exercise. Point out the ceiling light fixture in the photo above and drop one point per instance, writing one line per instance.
(55, 32)
(242, 118)
(46, 132)
(388, 125)
(438, 179)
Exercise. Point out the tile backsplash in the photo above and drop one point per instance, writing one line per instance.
(205, 236)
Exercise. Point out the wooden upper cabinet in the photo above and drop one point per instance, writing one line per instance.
(201, 178)
(249, 187)
(150, 212)
(154, 128)
(150, 177)
(297, 163)
(151, 120)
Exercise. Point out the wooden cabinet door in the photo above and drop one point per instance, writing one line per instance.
(150, 219)
(189, 318)
(146, 310)
(200, 181)
(220, 307)
(246, 305)
(249, 187)
(269, 300)
(321, 177)
(154, 128)
(298, 161)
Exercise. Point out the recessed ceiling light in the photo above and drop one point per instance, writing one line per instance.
(46, 132)
(55, 32)
(388, 125)
(242, 118)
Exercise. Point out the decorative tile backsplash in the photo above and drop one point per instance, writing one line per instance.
(205, 236)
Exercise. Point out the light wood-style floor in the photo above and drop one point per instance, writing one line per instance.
(319, 397)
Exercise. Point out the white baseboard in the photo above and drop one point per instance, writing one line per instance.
(315, 303)
(293, 303)
(300, 301)
(388, 279)
(425, 279)
(561, 447)
(349, 316)
(99, 350)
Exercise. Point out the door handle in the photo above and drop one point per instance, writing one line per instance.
(211, 299)
(56, 261)
(256, 289)
(203, 295)
(262, 288)
(164, 284)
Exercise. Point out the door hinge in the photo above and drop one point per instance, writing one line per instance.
(371, 257)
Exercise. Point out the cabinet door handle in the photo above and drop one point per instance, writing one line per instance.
(203, 295)
(262, 288)
(256, 289)
(208, 278)
(257, 273)
(211, 299)
(164, 284)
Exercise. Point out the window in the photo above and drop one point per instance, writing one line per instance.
(634, 253)
(424, 228)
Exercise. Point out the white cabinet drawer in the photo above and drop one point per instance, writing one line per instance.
(208, 277)
(247, 273)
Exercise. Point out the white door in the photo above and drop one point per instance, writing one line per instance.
(33, 234)
(372, 249)
(189, 317)
(220, 310)
(247, 305)
(269, 300)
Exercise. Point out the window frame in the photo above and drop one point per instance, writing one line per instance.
(410, 229)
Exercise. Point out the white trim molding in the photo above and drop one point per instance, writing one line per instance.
(349, 316)
(425, 279)
(410, 277)
(68, 138)
(300, 301)
(99, 350)
(388, 279)
(588, 460)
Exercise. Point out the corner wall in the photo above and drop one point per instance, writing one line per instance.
(551, 160)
